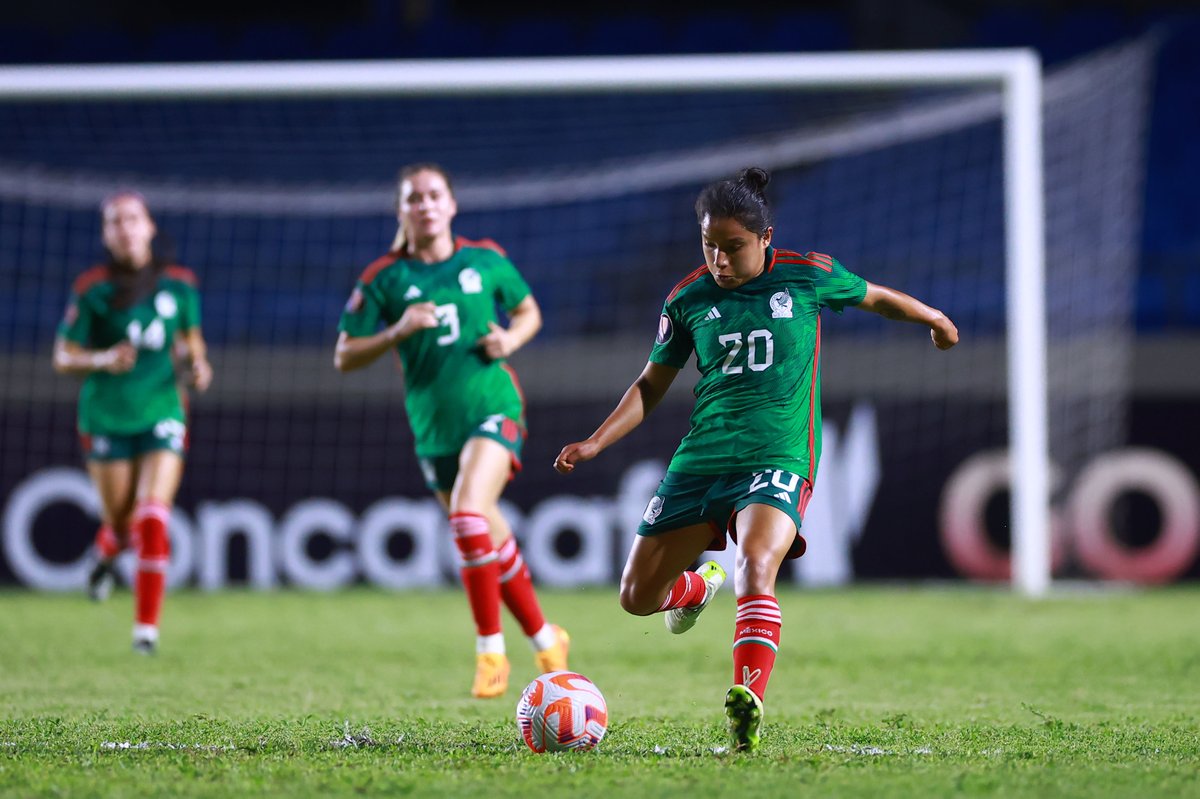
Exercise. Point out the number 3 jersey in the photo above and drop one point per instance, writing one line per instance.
(137, 400)
(451, 386)
(758, 350)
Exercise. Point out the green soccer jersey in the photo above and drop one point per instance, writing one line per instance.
(758, 350)
(451, 386)
(136, 401)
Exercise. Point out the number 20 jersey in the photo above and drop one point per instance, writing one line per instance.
(758, 350)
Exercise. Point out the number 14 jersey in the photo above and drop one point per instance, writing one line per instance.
(758, 350)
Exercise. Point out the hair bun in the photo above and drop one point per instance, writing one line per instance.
(756, 178)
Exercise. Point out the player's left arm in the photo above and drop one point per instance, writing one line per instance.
(892, 304)
(194, 348)
(524, 321)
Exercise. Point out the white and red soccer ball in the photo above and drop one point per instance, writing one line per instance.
(562, 711)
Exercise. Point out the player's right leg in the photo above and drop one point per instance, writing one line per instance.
(159, 474)
(114, 482)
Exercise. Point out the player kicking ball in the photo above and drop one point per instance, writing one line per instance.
(746, 467)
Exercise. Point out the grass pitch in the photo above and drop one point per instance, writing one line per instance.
(877, 692)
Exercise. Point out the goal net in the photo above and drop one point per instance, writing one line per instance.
(299, 474)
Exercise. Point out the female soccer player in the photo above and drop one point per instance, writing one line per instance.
(126, 321)
(435, 295)
(746, 467)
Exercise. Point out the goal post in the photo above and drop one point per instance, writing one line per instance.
(1016, 73)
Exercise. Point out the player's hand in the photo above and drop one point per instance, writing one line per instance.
(498, 343)
(418, 316)
(575, 453)
(944, 334)
(117, 359)
(202, 374)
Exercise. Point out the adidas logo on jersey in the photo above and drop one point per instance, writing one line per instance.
(713, 313)
(412, 293)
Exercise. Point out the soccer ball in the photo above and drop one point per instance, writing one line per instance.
(562, 711)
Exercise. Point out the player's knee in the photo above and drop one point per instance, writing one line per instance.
(636, 601)
(757, 571)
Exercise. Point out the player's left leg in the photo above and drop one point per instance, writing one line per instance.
(765, 535)
(159, 474)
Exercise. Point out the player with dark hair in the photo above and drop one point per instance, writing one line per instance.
(747, 466)
(127, 321)
(435, 296)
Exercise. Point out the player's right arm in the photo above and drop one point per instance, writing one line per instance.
(72, 359)
(355, 352)
(72, 356)
(641, 398)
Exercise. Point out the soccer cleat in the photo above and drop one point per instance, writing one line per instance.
(491, 675)
(145, 646)
(680, 620)
(554, 658)
(100, 581)
(744, 710)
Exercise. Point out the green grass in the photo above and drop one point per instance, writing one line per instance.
(877, 692)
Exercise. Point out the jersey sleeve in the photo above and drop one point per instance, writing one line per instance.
(363, 311)
(76, 324)
(189, 317)
(673, 344)
(838, 287)
(510, 288)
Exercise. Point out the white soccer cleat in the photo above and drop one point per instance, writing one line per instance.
(680, 620)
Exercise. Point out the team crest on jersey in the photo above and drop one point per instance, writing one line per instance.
(355, 303)
(665, 329)
(470, 280)
(412, 293)
(781, 305)
(164, 303)
(653, 510)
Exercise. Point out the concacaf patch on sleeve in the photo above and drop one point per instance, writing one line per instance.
(355, 303)
(665, 329)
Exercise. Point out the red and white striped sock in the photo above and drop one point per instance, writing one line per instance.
(756, 641)
(150, 521)
(108, 546)
(480, 570)
(516, 589)
(688, 592)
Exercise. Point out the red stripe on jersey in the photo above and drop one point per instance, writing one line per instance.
(692, 278)
(806, 262)
(820, 256)
(182, 274)
(90, 278)
(483, 244)
(512, 373)
(812, 405)
(774, 255)
(377, 266)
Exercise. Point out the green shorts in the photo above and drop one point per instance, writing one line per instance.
(169, 434)
(684, 500)
(442, 470)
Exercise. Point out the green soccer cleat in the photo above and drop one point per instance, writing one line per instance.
(744, 710)
(680, 620)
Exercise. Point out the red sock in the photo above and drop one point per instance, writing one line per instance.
(108, 546)
(480, 570)
(756, 641)
(688, 592)
(516, 588)
(154, 552)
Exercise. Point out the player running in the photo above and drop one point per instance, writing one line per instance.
(126, 322)
(752, 316)
(435, 295)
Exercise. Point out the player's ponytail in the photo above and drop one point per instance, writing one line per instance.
(742, 198)
(400, 242)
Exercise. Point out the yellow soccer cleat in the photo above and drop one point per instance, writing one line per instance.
(554, 658)
(491, 676)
